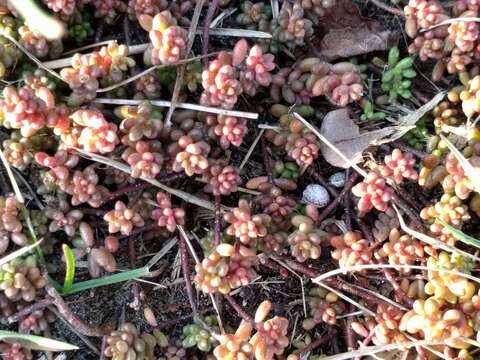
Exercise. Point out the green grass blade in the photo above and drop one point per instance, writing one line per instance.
(104, 281)
(467, 239)
(70, 264)
(34, 342)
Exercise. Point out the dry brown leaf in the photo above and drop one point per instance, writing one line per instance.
(340, 130)
(343, 33)
(347, 42)
(345, 135)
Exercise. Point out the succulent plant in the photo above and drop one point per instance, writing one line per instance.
(369, 113)
(396, 77)
(195, 335)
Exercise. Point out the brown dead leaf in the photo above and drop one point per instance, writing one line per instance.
(342, 132)
(344, 33)
(347, 42)
(344, 14)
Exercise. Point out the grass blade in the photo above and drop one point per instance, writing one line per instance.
(70, 265)
(34, 342)
(467, 239)
(369, 350)
(144, 271)
(470, 171)
(18, 253)
(104, 281)
(430, 240)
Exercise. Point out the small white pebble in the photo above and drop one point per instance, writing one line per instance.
(338, 179)
(316, 195)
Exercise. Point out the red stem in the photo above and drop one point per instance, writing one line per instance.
(188, 283)
(349, 333)
(333, 205)
(337, 283)
(143, 186)
(390, 276)
(366, 341)
(79, 325)
(387, 8)
(236, 306)
(128, 189)
(348, 211)
(137, 231)
(218, 220)
(266, 161)
(318, 342)
(39, 305)
(132, 257)
(206, 27)
(321, 180)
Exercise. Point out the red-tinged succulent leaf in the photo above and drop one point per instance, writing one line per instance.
(240, 52)
(145, 22)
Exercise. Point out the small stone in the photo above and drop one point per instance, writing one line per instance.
(338, 179)
(316, 194)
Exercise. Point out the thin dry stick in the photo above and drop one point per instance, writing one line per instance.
(86, 47)
(429, 240)
(451, 21)
(340, 284)
(330, 145)
(33, 58)
(188, 284)
(102, 349)
(164, 103)
(266, 162)
(380, 296)
(286, 266)
(181, 69)
(125, 168)
(149, 70)
(347, 298)
(65, 62)
(354, 268)
(223, 15)
(250, 150)
(132, 256)
(197, 261)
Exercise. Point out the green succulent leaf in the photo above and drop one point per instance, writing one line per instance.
(393, 56)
